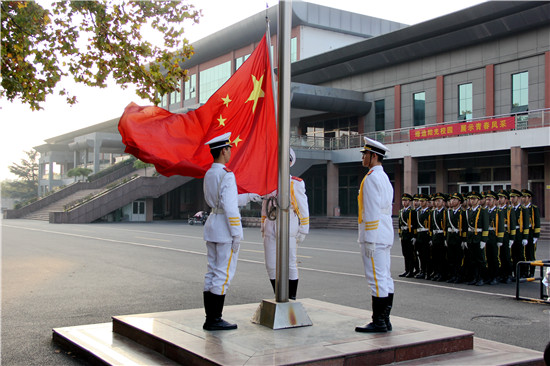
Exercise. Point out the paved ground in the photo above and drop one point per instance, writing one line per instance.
(64, 275)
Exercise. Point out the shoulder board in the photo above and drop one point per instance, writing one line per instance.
(226, 169)
(298, 179)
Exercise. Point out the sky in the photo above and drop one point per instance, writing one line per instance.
(23, 129)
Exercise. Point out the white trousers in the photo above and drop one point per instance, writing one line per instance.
(270, 252)
(377, 270)
(221, 267)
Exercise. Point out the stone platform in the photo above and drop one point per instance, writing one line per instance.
(177, 337)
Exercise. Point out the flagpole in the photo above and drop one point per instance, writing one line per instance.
(283, 118)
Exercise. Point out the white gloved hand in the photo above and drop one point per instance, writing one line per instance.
(431, 243)
(524, 242)
(369, 249)
(446, 243)
(235, 244)
(499, 244)
(464, 245)
(413, 240)
(300, 238)
(535, 240)
(511, 243)
(254, 197)
(482, 245)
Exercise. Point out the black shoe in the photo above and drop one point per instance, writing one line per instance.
(452, 280)
(436, 277)
(472, 282)
(421, 275)
(404, 274)
(378, 324)
(480, 283)
(411, 274)
(442, 279)
(493, 282)
(218, 324)
(509, 280)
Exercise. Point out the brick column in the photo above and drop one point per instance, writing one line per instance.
(332, 187)
(410, 174)
(547, 79)
(518, 167)
(490, 90)
(397, 107)
(440, 100)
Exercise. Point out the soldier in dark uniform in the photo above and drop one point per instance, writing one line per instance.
(534, 228)
(509, 235)
(438, 227)
(522, 231)
(455, 225)
(495, 237)
(478, 230)
(422, 244)
(407, 233)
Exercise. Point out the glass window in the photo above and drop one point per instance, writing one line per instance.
(379, 115)
(465, 101)
(210, 80)
(293, 49)
(240, 60)
(520, 91)
(190, 91)
(419, 105)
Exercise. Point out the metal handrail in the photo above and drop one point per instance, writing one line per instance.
(524, 120)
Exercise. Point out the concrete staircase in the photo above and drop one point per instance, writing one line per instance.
(57, 206)
(177, 338)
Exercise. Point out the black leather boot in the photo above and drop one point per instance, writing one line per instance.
(292, 289)
(214, 310)
(389, 305)
(378, 324)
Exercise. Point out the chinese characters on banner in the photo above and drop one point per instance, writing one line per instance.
(463, 128)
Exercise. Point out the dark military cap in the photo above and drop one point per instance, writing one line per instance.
(503, 193)
(526, 193)
(439, 195)
(474, 194)
(416, 197)
(407, 197)
(423, 197)
(515, 193)
(483, 194)
(458, 196)
(491, 194)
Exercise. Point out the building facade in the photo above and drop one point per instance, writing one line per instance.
(462, 101)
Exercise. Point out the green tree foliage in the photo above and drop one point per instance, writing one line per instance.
(79, 172)
(26, 186)
(138, 164)
(90, 41)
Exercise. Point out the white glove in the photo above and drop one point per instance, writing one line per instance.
(464, 245)
(524, 242)
(445, 243)
(254, 197)
(481, 245)
(413, 240)
(369, 249)
(535, 240)
(431, 243)
(300, 238)
(499, 244)
(235, 244)
(511, 243)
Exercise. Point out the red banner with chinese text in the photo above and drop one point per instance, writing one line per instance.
(463, 128)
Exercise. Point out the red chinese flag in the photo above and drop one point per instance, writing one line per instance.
(244, 106)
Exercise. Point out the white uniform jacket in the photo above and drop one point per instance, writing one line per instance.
(220, 193)
(375, 208)
(299, 215)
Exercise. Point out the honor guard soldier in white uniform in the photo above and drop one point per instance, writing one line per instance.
(298, 229)
(376, 235)
(222, 232)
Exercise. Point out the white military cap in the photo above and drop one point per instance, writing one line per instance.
(292, 157)
(374, 146)
(220, 141)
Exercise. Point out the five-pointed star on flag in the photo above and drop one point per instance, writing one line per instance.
(236, 141)
(226, 100)
(257, 92)
(222, 120)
